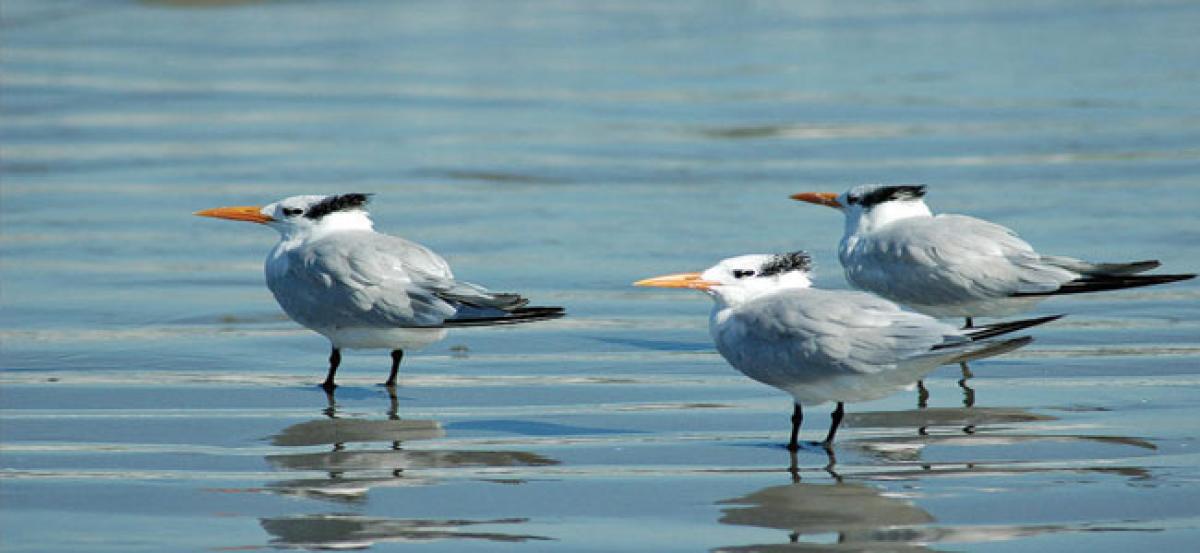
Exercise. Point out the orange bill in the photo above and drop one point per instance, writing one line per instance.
(678, 280)
(251, 213)
(828, 199)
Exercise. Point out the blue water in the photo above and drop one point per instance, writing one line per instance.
(564, 150)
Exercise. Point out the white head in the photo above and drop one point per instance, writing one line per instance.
(870, 206)
(739, 279)
(303, 216)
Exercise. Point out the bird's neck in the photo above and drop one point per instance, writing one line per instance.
(886, 214)
(327, 225)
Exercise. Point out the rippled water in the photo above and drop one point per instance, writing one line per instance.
(154, 398)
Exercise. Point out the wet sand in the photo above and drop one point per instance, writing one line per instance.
(153, 398)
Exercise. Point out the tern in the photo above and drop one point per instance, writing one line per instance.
(955, 265)
(825, 345)
(332, 273)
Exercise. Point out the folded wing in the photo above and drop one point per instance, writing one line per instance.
(354, 280)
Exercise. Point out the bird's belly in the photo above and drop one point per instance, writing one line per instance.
(383, 338)
(846, 387)
(813, 382)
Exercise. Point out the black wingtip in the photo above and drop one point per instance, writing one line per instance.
(998, 329)
(1103, 283)
(1142, 266)
(516, 316)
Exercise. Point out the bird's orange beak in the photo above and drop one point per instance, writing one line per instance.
(679, 280)
(827, 199)
(251, 213)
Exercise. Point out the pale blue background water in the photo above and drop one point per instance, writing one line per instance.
(565, 149)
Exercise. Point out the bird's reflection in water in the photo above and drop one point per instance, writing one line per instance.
(844, 514)
(352, 471)
(859, 513)
(343, 532)
(353, 468)
(859, 516)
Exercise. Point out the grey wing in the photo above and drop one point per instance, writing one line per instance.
(375, 280)
(362, 280)
(841, 332)
(949, 259)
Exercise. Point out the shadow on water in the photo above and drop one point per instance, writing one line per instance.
(972, 427)
(976, 428)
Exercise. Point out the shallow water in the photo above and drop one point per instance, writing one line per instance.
(154, 398)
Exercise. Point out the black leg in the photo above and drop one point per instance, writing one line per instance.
(966, 370)
(397, 356)
(922, 395)
(970, 323)
(836, 421)
(797, 418)
(335, 359)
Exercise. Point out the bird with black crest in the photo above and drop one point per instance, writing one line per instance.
(334, 274)
(825, 346)
(954, 265)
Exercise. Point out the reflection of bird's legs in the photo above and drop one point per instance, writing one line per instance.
(922, 395)
(335, 359)
(794, 467)
(836, 420)
(797, 418)
(397, 356)
(968, 392)
(393, 412)
(330, 409)
(832, 458)
(393, 405)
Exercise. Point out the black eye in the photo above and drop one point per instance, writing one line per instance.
(742, 273)
(853, 200)
(292, 211)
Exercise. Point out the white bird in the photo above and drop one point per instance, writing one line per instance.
(361, 289)
(822, 345)
(955, 265)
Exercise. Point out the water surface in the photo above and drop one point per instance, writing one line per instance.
(153, 397)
